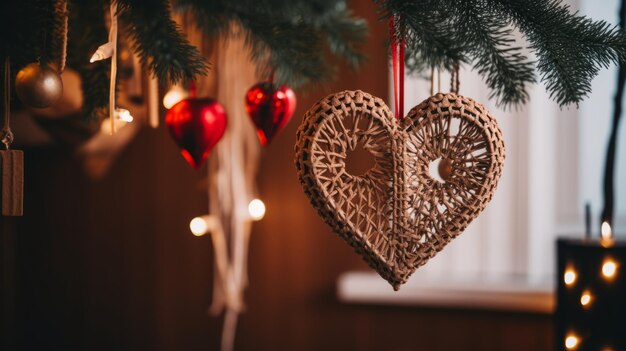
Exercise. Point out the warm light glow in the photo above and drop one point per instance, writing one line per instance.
(105, 126)
(199, 226)
(609, 268)
(569, 277)
(585, 298)
(174, 96)
(571, 342)
(256, 209)
(123, 115)
(607, 234)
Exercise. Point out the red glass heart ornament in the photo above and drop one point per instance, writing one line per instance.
(196, 125)
(270, 108)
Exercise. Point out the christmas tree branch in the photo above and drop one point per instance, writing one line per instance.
(158, 41)
(286, 37)
(491, 46)
(571, 49)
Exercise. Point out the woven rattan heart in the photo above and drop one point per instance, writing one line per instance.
(397, 215)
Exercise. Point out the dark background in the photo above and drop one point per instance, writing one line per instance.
(111, 264)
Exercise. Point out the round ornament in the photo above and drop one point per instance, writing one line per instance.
(270, 108)
(38, 85)
(400, 213)
(196, 125)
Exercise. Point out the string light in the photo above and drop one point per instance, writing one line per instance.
(609, 268)
(256, 209)
(122, 118)
(571, 342)
(202, 225)
(569, 277)
(123, 115)
(585, 298)
(174, 96)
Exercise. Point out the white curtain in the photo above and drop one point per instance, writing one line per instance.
(554, 164)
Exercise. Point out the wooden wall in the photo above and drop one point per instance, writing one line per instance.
(111, 264)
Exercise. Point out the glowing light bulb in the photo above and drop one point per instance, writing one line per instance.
(198, 226)
(569, 277)
(571, 342)
(585, 298)
(123, 115)
(256, 209)
(609, 268)
(174, 96)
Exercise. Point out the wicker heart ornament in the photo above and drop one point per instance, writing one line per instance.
(400, 213)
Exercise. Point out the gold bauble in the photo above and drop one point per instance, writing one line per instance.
(38, 85)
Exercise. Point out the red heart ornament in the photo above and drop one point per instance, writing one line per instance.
(270, 109)
(196, 125)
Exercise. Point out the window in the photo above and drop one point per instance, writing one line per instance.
(554, 164)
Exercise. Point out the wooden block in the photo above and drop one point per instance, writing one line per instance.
(12, 182)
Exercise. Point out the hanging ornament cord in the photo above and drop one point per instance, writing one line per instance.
(397, 59)
(12, 161)
(60, 10)
(455, 82)
(7, 134)
(113, 40)
(435, 72)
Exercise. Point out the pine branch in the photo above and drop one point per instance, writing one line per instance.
(158, 41)
(491, 45)
(286, 37)
(430, 38)
(571, 49)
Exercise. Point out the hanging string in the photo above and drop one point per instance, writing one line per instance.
(432, 80)
(113, 40)
(7, 135)
(454, 79)
(397, 59)
(60, 11)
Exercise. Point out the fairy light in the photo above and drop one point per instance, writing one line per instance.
(585, 298)
(256, 209)
(202, 225)
(609, 268)
(122, 118)
(571, 342)
(569, 277)
(174, 96)
(124, 115)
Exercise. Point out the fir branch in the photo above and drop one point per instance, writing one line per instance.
(490, 44)
(571, 49)
(158, 41)
(286, 37)
(429, 36)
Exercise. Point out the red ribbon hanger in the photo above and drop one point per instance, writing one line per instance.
(397, 59)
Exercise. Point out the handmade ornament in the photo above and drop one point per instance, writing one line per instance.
(12, 161)
(196, 126)
(270, 108)
(398, 214)
(38, 85)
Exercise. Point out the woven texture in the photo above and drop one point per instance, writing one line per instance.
(400, 213)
